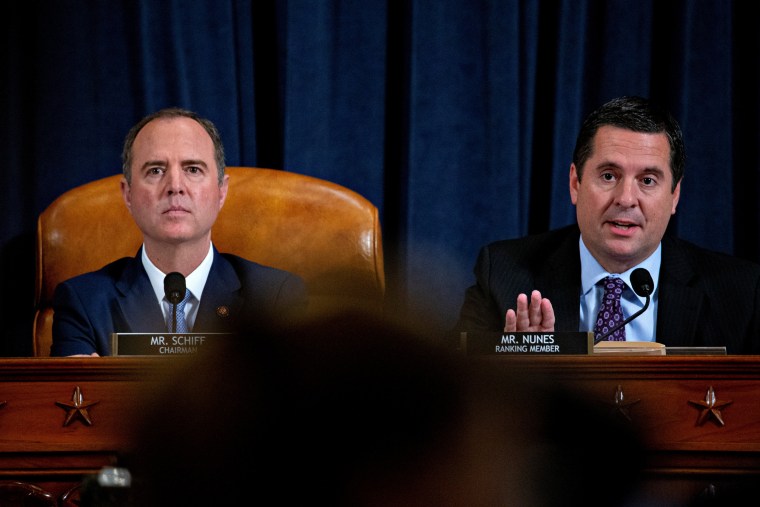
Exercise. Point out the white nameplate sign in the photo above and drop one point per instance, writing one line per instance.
(549, 343)
(161, 344)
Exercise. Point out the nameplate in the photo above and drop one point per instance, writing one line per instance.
(552, 343)
(161, 344)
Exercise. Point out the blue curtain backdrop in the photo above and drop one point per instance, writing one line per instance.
(457, 118)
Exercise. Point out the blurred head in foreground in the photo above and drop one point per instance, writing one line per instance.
(356, 411)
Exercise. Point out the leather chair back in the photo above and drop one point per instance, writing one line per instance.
(324, 232)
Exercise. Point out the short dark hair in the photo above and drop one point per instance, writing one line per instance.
(639, 115)
(168, 113)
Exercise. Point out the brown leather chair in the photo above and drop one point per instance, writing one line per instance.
(328, 234)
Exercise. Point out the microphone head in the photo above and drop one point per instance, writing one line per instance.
(174, 287)
(642, 283)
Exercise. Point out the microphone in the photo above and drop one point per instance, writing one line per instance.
(174, 290)
(643, 285)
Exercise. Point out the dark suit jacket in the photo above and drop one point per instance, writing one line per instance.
(705, 298)
(120, 298)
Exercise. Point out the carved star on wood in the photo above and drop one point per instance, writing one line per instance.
(77, 407)
(710, 407)
(619, 406)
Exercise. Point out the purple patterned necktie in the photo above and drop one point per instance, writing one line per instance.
(610, 312)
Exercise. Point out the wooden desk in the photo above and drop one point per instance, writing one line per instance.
(45, 441)
(699, 415)
(665, 396)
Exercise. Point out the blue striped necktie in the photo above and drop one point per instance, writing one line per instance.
(181, 320)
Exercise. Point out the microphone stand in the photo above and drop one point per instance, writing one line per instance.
(174, 289)
(601, 337)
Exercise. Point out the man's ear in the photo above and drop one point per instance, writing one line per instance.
(126, 194)
(574, 182)
(223, 190)
(676, 198)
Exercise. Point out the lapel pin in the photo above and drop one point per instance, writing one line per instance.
(223, 311)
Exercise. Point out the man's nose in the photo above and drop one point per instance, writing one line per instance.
(627, 193)
(175, 181)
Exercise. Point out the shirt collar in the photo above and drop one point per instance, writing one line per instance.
(195, 281)
(592, 272)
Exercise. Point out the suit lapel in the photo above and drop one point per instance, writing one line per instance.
(679, 302)
(221, 302)
(137, 301)
(560, 281)
(220, 305)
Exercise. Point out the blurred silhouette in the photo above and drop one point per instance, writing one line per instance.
(353, 410)
(23, 494)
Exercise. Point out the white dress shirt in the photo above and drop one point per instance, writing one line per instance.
(194, 282)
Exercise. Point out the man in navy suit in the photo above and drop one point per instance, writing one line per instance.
(625, 181)
(174, 186)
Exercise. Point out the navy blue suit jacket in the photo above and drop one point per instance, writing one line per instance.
(705, 298)
(239, 295)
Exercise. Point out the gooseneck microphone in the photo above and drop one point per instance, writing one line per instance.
(643, 285)
(174, 290)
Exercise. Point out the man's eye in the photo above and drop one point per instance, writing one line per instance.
(155, 170)
(608, 176)
(648, 181)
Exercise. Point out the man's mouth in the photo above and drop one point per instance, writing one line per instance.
(622, 226)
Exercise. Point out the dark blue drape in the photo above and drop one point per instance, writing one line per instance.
(457, 118)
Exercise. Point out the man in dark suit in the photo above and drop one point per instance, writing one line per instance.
(625, 181)
(174, 186)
